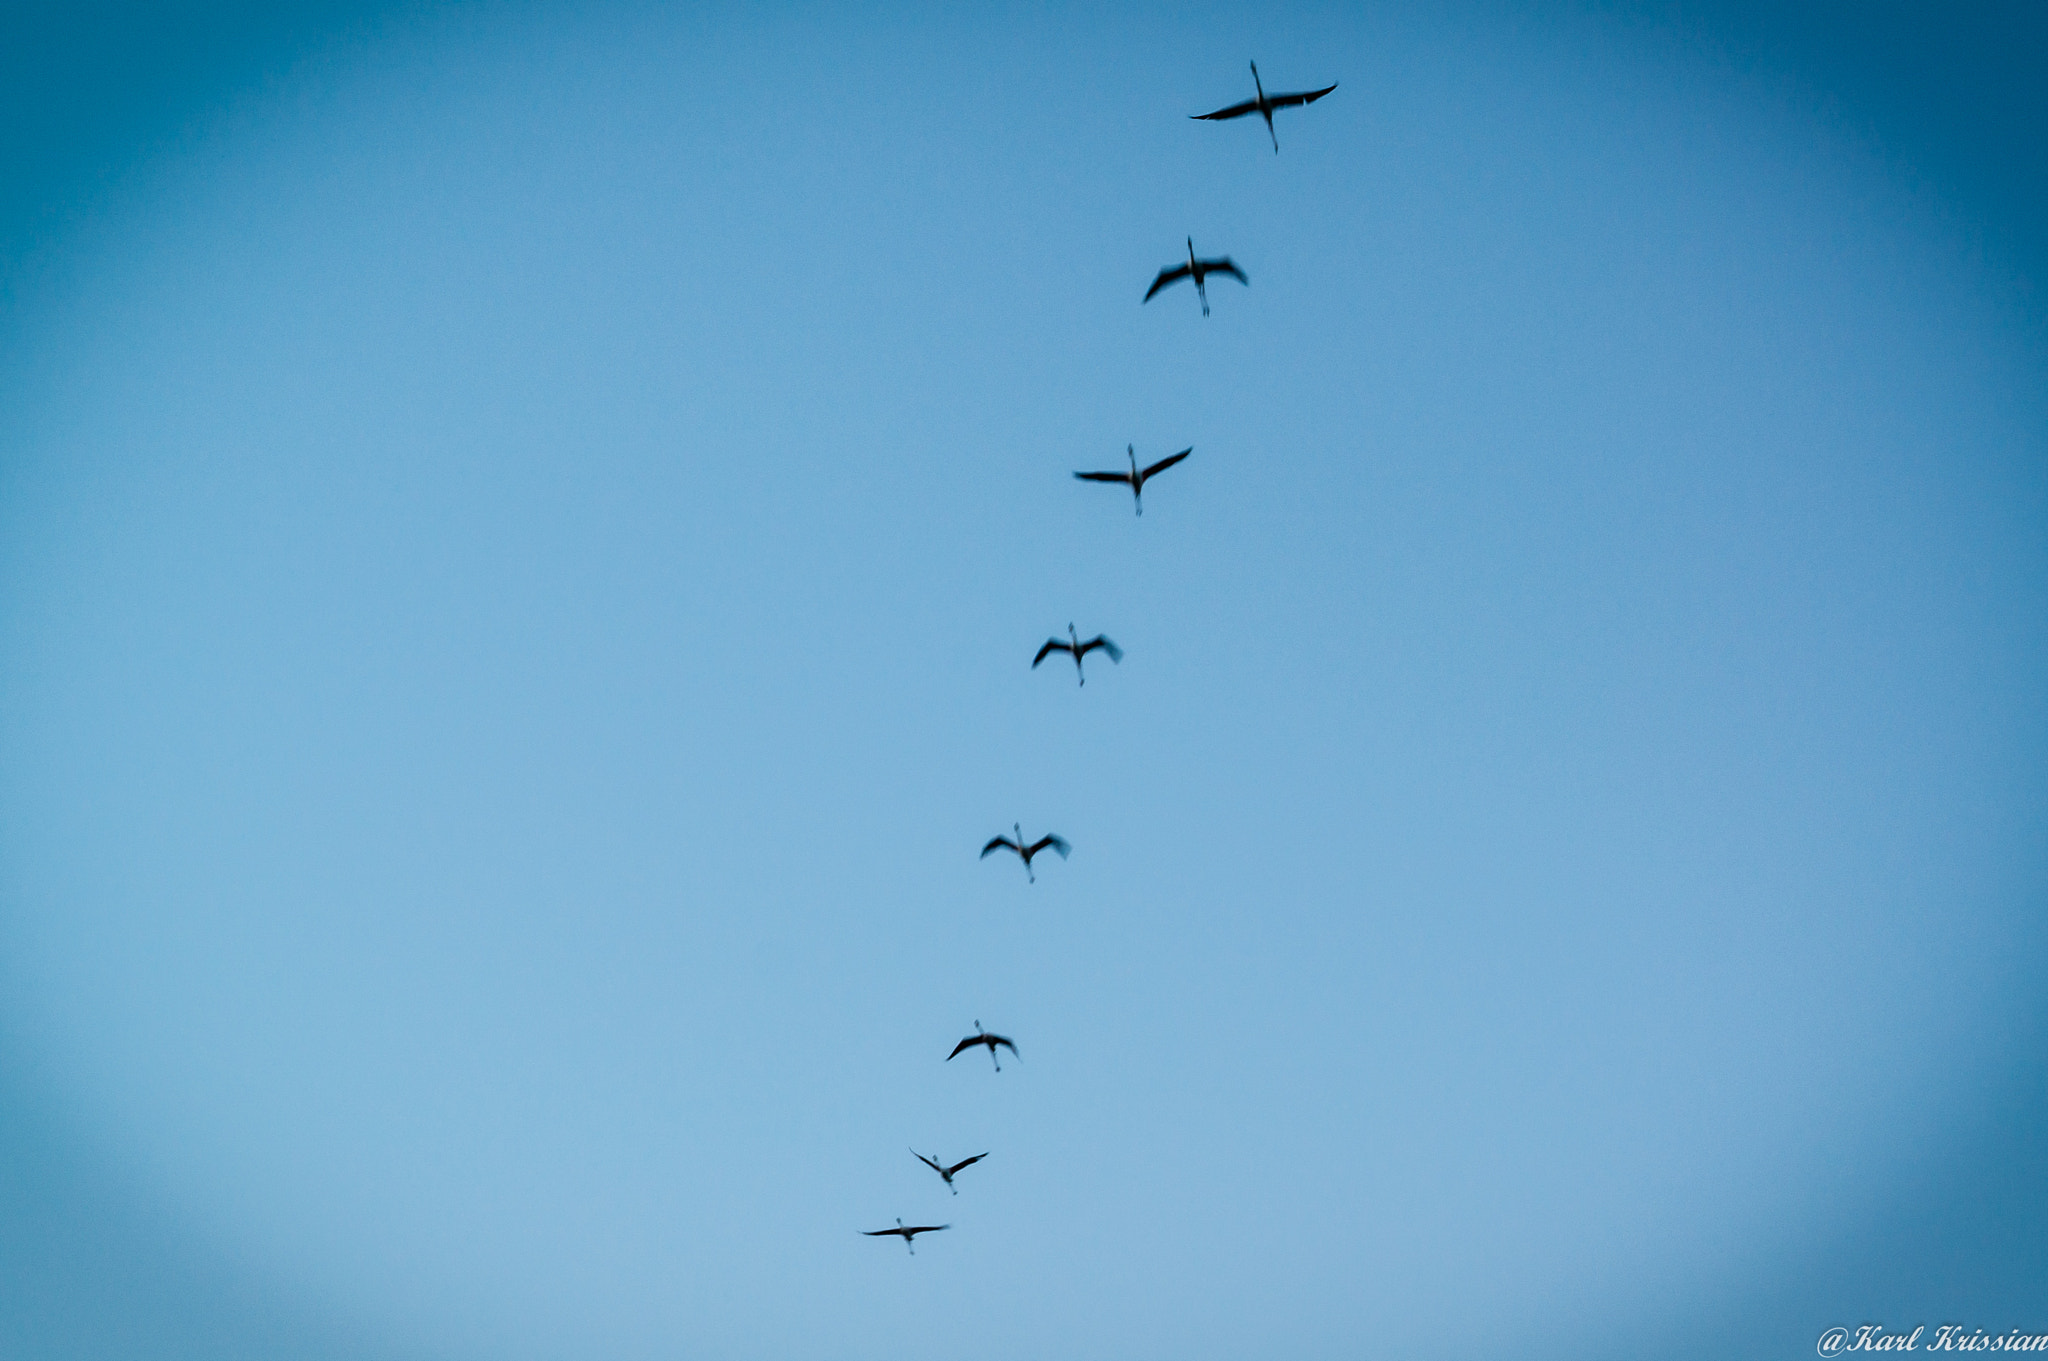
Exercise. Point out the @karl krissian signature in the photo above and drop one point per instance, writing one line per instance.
(1949, 1337)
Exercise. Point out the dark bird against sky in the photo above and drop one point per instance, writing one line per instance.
(981, 1036)
(1080, 650)
(1137, 476)
(1198, 270)
(1025, 852)
(1265, 104)
(945, 1172)
(906, 1232)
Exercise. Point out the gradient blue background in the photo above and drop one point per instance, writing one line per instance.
(520, 539)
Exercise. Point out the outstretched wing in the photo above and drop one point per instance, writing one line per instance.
(880, 1233)
(1002, 1040)
(1163, 464)
(1051, 644)
(967, 1043)
(942, 1171)
(1057, 843)
(965, 1162)
(1225, 266)
(1000, 841)
(910, 1229)
(1106, 477)
(1238, 110)
(1306, 97)
(1116, 654)
(1166, 276)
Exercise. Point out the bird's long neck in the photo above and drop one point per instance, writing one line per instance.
(1132, 449)
(1077, 639)
(1257, 86)
(1191, 252)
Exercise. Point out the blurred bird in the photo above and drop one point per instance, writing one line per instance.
(946, 1173)
(905, 1232)
(981, 1036)
(1137, 477)
(1079, 649)
(1026, 852)
(1198, 270)
(1264, 105)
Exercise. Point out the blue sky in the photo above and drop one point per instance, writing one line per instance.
(524, 535)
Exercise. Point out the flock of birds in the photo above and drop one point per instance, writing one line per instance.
(1198, 270)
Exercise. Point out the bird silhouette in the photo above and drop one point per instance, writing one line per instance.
(1079, 649)
(1137, 477)
(1198, 270)
(982, 1037)
(906, 1232)
(1264, 105)
(945, 1172)
(1026, 852)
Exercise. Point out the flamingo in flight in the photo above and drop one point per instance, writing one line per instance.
(981, 1036)
(1058, 843)
(1079, 649)
(1198, 270)
(945, 1172)
(1264, 105)
(906, 1232)
(1137, 476)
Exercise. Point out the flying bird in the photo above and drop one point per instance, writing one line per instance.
(1080, 650)
(1058, 843)
(945, 1172)
(1137, 476)
(906, 1232)
(981, 1036)
(1198, 270)
(1265, 104)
